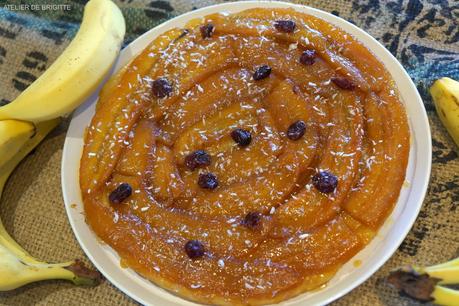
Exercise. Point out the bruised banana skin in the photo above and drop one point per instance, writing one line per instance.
(79, 69)
(445, 94)
(29, 118)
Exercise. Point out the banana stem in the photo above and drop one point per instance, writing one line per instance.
(15, 273)
(83, 276)
(73, 271)
(24, 274)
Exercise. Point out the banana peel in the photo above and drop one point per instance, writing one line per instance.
(26, 121)
(445, 94)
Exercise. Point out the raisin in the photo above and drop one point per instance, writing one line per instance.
(343, 83)
(161, 88)
(325, 181)
(252, 219)
(262, 72)
(207, 30)
(199, 158)
(208, 181)
(296, 130)
(121, 193)
(242, 137)
(308, 57)
(194, 249)
(286, 26)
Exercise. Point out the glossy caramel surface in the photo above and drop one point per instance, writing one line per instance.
(357, 133)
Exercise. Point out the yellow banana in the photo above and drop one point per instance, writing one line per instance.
(29, 118)
(13, 135)
(445, 94)
(445, 296)
(447, 272)
(77, 72)
(15, 273)
(42, 129)
(426, 283)
(17, 267)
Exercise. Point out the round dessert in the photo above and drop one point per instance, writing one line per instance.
(244, 159)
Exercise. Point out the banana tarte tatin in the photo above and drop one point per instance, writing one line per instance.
(244, 159)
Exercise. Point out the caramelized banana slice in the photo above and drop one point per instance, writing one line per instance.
(233, 164)
(258, 193)
(206, 98)
(311, 207)
(138, 154)
(166, 183)
(116, 115)
(381, 164)
(214, 129)
(303, 36)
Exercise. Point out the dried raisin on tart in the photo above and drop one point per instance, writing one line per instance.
(245, 159)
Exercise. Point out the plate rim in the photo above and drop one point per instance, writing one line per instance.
(427, 145)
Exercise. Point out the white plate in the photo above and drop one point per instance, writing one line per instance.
(373, 256)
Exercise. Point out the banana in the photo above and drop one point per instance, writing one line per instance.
(426, 283)
(445, 296)
(33, 114)
(448, 272)
(17, 267)
(13, 135)
(41, 130)
(445, 94)
(14, 273)
(79, 69)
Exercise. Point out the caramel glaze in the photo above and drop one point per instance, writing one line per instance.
(298, 236)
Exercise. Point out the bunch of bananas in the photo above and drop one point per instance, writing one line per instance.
(33, 114)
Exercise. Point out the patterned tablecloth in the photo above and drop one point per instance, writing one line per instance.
(423, 35)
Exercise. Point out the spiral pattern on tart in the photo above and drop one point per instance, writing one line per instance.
(244, 159)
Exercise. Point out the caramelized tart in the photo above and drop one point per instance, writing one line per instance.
(244, 159)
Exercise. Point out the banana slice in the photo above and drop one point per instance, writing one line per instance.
(79, 69)
(445, 94)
